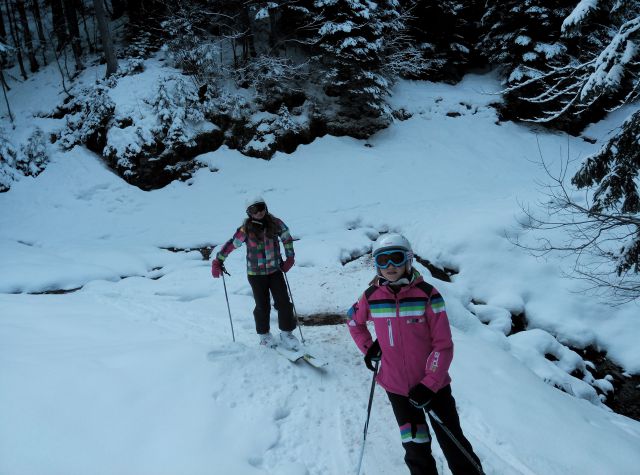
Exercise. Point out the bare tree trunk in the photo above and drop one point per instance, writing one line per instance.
(13, 29)
(28, 40)
(59, 25)
(274, 30)
(74, 32)
(3, 59)
(3, 32)
(64, 83)
(83, 14)
(66, 62)
(35, 7)
(248, 45)
(105, 34)
(4, 81)
(235, 55)
(4, 90)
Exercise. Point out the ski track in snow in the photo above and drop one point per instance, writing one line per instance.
(296, 419)
(288, 393)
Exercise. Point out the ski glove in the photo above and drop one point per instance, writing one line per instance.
(421, 396)
(374, 353)
(217, 267)
(288, 264)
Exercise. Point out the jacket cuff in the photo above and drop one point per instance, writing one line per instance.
(431, 384)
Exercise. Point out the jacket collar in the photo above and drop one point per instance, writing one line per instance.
(414, 279)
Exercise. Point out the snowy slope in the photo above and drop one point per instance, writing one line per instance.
(114, 378)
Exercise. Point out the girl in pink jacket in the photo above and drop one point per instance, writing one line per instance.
(415, 346)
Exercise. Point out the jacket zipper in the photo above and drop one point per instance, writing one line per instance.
(402, 351)
(390, 333)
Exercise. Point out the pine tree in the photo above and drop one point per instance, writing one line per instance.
(598, 72)
(8, 158)
(176, 105)
(605, 35)
(90, 124)
(614, 171)
(293, 25)
(440, 38)
(34, 157)
(523, 37)
(352, 42)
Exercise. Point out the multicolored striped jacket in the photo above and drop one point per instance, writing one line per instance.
(413, 331)
(263, 253)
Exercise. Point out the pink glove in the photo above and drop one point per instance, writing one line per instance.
(288, 264)
(216, 268)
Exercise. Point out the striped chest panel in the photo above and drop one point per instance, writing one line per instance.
(384, 308)
(409, 307)
(413, 307)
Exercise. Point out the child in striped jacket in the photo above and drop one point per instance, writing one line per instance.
(415, 346)
(261, 232)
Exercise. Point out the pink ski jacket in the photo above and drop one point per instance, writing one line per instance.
(413, 331)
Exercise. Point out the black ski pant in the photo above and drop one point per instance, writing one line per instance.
(416, 439)
(274, 284)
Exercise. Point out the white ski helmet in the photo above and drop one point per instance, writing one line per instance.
(391, 241)
(387, 242)
(252, 200)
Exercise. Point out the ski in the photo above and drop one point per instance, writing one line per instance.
(291, 355)
(295, 356)
(314, 361)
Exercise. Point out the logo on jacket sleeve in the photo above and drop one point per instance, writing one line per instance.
(434, 364)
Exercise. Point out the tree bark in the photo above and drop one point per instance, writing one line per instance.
(28, 40)
(248, 45)
(74, 32)
(59, 24)
(4, 91)
(105, 34)
(35, 7)
(3, 32)
(17, 43)
(80, 8)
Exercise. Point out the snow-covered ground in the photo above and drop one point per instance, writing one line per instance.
(135, 373)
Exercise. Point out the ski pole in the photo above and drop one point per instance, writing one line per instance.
(366, 424)
(295, 312)
(226, 296)
(475, 464)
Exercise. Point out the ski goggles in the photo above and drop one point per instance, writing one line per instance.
(256, 208)
(394, 257)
